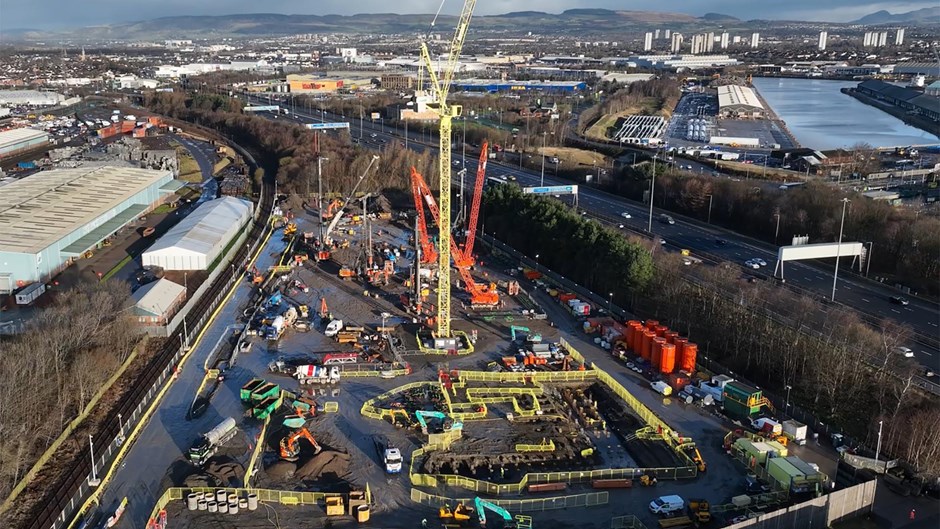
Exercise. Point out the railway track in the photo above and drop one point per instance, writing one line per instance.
(57, 506)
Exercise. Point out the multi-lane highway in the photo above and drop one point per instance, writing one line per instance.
(869, 298)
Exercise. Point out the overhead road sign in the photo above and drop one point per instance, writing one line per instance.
(269, 108)
(551, 190)
(321, 126)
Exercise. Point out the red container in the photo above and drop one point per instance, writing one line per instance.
(658, 343)
(628, 337)
(651, 324)
(646, 350)
(661, 330)
(671, 336)
(546, 487)
(636, 344)
(566, 297)
(679, 343)
(689, 353)
(667, 361)
(611, 483)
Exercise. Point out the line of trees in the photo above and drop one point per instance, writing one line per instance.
(580, 249)
(843, 370)
(52, 369)
(664, 91)
(905, 244)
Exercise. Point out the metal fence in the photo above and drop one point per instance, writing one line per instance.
(626, 522)
(591, 499)
(843, 504)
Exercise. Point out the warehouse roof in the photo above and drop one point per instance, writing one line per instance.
(155, 299)
(30, 97)
(43, 208)
(741, 96)
(203, 229)
(11, 137)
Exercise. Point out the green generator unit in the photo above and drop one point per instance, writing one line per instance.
(742, 401)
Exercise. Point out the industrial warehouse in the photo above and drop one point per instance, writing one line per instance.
(491, 85)
(739, 102)
(49, 219)
(16, 141)
(196, 242)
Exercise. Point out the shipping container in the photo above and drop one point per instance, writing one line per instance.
(667, 361)
(29, 293)
(689, 354)
(783, 472)
(795, 431)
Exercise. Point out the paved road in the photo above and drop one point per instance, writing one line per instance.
(858, 293)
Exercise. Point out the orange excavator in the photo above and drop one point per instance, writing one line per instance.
(290, 445)
(331, 208)
(428, 251)
(465, 259)
(481, 296)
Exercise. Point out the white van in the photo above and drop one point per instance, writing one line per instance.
(661, 387)
(667, 504)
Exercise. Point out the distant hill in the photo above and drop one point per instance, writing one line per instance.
(718, 17)
(572, 21)
(927, 15)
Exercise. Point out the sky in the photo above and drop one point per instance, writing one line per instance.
(51, 14)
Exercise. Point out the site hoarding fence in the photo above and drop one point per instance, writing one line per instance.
(281, 497)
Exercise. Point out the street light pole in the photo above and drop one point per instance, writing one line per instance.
(710, 197)
(542, 182)
(649, 228)
(610, 304)
(777, 231)
(536, 262)
(868, 258)
(320, 193)
(878, 447)
(835, 273)
(94, 481)
(787, 405)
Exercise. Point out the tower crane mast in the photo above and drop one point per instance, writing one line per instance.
(440, 86)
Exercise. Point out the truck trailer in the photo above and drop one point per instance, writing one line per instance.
(208, 444)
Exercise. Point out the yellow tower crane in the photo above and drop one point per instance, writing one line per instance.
(440, 86)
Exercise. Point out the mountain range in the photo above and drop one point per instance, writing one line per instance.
(571, 22)
(927, 15)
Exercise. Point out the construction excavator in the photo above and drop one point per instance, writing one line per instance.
(331, 208)
(508, 522)
(290, 444)
(460, 513)
(531, 337)
(447, 423)
(481, 296)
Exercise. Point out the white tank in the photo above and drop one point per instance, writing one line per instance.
(219, 432)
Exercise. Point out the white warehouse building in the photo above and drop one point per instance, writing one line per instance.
(196, 242)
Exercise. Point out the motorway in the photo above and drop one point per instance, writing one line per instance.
(867, 297)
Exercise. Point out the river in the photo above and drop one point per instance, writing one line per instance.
(822, 117)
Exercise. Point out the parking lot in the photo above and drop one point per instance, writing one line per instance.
(692, 106)
(768, 133)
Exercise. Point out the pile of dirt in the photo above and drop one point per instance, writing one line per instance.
(281, 470)
(218, 472)
(327, 462)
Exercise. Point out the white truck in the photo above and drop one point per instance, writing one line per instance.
(310, 374)
(392, 459)
(208, 444)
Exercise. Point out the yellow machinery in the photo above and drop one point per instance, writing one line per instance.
(290, 229)
(461, 513)
(700, 511)
(440, 86)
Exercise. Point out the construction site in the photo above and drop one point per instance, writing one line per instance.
(362, 383)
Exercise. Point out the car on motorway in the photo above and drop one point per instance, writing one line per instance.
(898, 300)
(511, 178)
(373, 135)
(666, 219)
(626, 215)
(906, 352)
(759, 261)
(751, 264)
(620, 226)
(721, 242)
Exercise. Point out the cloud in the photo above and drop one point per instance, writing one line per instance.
(71, 13)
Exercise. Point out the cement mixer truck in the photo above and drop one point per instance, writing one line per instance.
(208, 444)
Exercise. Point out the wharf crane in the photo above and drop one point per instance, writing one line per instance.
(440, 87)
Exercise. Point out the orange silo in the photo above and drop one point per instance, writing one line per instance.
(628, 337)
(657, 351)
(671, 336)
(651, 324)
(646, 350)
(689, 352)
(636, 343)
(661, 330)
(667, 361)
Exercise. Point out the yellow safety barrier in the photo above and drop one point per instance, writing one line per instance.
(93, 498)
(73, 424)
(591, 499)
(282, 497)
(541, 447)
(256, 453)
(330, 407)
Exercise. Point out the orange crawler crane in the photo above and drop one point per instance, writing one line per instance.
(290, 445)
(465, 258)
(481, 296)
(428, 252)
